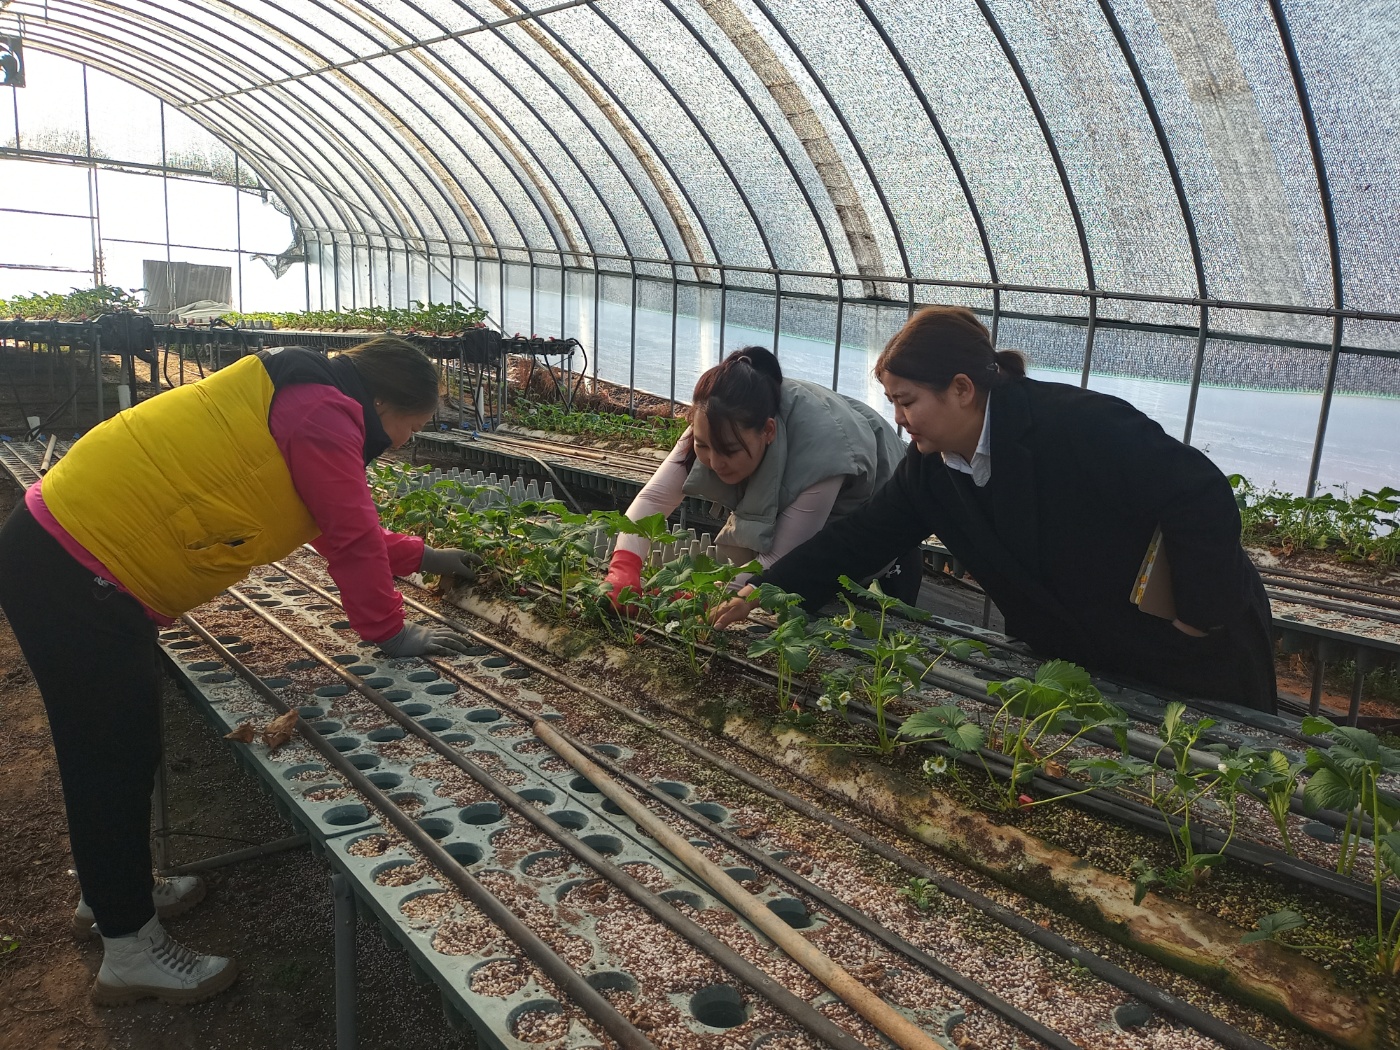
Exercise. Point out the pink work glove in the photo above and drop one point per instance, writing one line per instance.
(624, 571)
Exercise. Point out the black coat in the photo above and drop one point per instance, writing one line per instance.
(1079, 483)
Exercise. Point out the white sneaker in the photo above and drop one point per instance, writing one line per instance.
(172, 896)
(149, 963)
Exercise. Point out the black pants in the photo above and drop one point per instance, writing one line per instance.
(94, 655)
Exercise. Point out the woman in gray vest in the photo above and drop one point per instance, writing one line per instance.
(783, 456)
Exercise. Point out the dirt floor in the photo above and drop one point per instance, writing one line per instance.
(273, 914)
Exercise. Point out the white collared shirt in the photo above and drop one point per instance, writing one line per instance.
(981, 466)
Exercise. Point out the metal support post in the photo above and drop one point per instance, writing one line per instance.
(1319, 672)
(344, 901)
(160, 799)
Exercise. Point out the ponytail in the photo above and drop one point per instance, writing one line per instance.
(742, 392)
(941, 342)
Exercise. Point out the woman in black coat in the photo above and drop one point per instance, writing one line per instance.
(1050, 495)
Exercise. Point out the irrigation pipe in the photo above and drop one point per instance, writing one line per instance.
(1155, 996)
(852, 992)
(539, 953)
(799, 1011)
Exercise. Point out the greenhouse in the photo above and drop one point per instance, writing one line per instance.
(700, 524)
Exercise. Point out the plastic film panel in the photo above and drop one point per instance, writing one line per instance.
(969, 83)
(1231, 173)
(1133, 224)
(494, 108)
(1350, 59)
(610, 58)
(794, 238)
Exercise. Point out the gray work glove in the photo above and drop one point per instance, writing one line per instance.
(415, 640)
(451, 562)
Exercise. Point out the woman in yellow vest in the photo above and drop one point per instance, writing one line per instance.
(155, 512)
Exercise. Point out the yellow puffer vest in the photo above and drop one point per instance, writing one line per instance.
(181, 495)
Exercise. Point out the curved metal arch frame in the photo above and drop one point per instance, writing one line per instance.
(227, 134)
(1183, 202)
(1091, 284)
(700, 129)
(1329, 216)
(582, 169)
(767, 130)
(875, 184)
(527, 191)
(176, 75)
(430, 177)
(285, 113)
(950, 153)
(645, 135)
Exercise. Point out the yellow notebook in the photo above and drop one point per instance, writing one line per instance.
(1152, 590)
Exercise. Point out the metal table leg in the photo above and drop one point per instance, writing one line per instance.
(344, 898)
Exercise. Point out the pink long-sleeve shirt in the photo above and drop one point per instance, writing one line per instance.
(321, 434)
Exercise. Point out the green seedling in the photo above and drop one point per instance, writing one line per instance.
(922, 893)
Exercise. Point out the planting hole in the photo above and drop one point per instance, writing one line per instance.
(277, 683)
(517, 673)
(718, 1006)
(1321, 832)
(716, 814)
(384, 781)
(792, 911)
(333, 690)
(364, 761)
(188, 644)
(376, 683)
(379, 736)
(540, 1021)
(362, 669)
(305, 767)
(741, 874)
(229, 639)
(441, 689)
(464, 853)
(311, 712)
(583, 786)
(423, 676)
(345, 816)
(477, 650)
(414, 710)
(570, 818)
(396, 694)
(301, 665)
(609, 806)
(344, 743)
(683, 898)
(340, 625)
(607, 845)
(1132, 1015)
(240, 647)
(673, 788)
(437, 827)
(538, 795)
(481, 813)
(326, 728)
(496, 661)
(611, 981)
(432, 725)
(216, 679)
(611, 750)
(206, 665)
(483, 714)
(345, 658)
(458, 738)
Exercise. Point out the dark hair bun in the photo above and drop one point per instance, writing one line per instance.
(762, 360)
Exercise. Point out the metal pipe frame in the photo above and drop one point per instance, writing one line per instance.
(333, 190)
(1329, 216)
(1183, 202)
